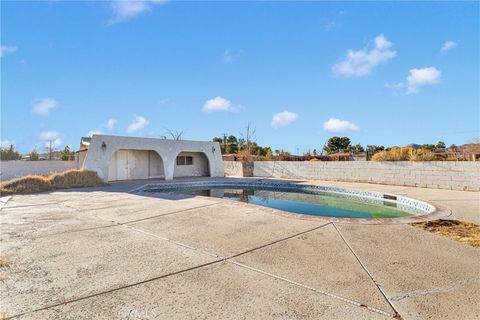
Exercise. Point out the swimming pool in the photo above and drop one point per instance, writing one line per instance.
(307, 200)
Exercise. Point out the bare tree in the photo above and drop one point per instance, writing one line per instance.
(475, 140)
(50, 148)
(249, 138)
(174, 134)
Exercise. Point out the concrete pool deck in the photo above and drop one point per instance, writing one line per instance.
(106, 253)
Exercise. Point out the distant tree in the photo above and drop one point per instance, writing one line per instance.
(220, 141)
(427, 146)
(266, 151)
(227, 144)
(357, 148)
(337, 144)
(453, 147)
(231, 144)
(373, 148)
(9, 153)
(277, 152)
(66, 153)
(232, 139)
(440, 145)
(34, 155)
(269, 154)
(314, 152)
(232, 148)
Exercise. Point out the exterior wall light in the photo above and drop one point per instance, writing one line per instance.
(104, 146)
(213, 149)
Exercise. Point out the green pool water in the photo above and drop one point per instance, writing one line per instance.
(302, 202)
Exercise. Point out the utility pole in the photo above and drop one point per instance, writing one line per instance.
(225, 142)
(50, 149)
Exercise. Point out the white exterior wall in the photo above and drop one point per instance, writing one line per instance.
(453, 175)
(135, 164)
(17, 168)
(98, 159)
(199, 168)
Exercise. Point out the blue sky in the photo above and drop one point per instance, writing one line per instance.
(378, 72)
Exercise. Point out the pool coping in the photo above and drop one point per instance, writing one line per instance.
(438, 211)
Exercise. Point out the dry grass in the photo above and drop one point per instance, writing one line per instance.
(4, 262)
(404, 154)
(465, 232)
(64, 180)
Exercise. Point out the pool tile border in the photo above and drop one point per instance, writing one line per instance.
(422, 210)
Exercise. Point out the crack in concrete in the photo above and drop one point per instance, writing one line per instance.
(445, 289)
(118, 224)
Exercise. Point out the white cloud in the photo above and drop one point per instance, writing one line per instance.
(111, 124)
(43, 106)
(91, 133)
(337, 125)
(49, 135)
(421, 77)
(6, 50)
(283, 118)
(124, 10)
(218, 104)
(448, 45)
(52, 136)
(329, 25)
(55, 143)
(398, 85)
(137, 124)
(5, 143)
(230, 55)
(164, 101)
(361, 63)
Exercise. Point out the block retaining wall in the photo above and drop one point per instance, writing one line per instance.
(15, 169)
(452, 175)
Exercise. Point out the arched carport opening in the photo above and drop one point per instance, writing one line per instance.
(191, 164)
(130, 164)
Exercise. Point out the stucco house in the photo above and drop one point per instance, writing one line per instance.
(126, 158)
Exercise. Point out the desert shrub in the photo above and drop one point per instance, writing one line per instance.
(422, 155)
(404, 154)
(395, 154)
(75, 179)
(64, 180)
(25, 185)
(243, 155)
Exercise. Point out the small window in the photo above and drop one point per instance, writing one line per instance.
(184, 161)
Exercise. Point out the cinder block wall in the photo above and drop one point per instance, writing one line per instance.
(233, 168)
(453, 175)
(14, 169)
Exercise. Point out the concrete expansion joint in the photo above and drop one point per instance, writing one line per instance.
(301, 285)
(229, 260)
(397, 314)
(116, 223)
(33, 205)
(3, 201)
